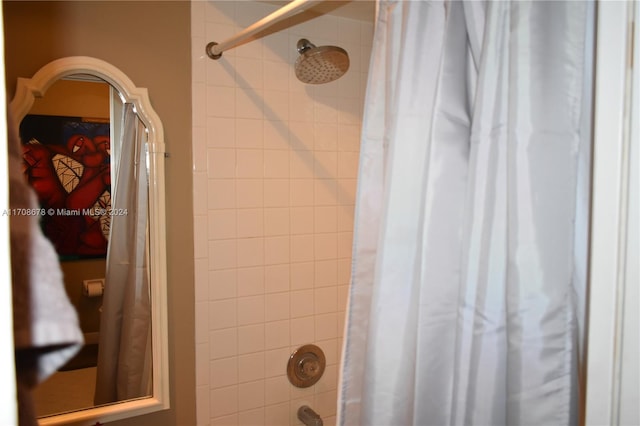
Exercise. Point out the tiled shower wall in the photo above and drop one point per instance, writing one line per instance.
(275, 166)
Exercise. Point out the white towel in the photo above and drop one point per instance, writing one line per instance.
(45, 324)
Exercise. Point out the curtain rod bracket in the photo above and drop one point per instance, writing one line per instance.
(210, 51)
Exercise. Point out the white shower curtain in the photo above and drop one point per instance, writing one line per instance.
(124, 357)
(468, 279)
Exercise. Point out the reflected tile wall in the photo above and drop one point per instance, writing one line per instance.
(275, 166)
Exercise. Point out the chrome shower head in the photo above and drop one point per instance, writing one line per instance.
(317, 65)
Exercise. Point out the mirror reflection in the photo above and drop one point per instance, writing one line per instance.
(85, 155)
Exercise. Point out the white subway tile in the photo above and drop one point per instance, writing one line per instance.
(221, 224)
(348, 137)
(329, 380)
(276, 192)
(223, 343)
(275, 361)
(223, 372)
(248, 103)
(302, 248)
(277, 47)
(331, 350)
(276, 390)
(251, 339)
(302, 330)
(301, 164)
(326, 326)
(346, 189)
(276, 75)
(251, 367)
(276, 135)
(326, 110)
(325, 137)
(199, 146)
(302, 108)
(325, 192)
(326, 403)
(253, 417)
(250, 281)
(325, 300)
(251, 395)
(302, 220)
(326, 246)
(276, 250)
(276, 415)
(250, 252)
(249, 163)
(201, 279)
(326, 273)
(202, 403)
(276, 163)
(344, 271)
(326, 164)
(249, 72)
(348, 164)
(343, 297)
(222, 314)
(276, 334)
(302, 192)
(249, 193)
(199, 104)
(220, 101)
(325, 219)
(302, 303)
(349, 30)
(345, 244)
(221, 163)
(221, 193)
(276, 221)
(220, 73)
(276, 306)
(221, 132)
(250, 222)
(230, 420)
(222, 284)
(345, 218)
(302, 275)
(202, 321)
(251, 310)
(249, 133)
(200, 193)
(201, 246)
(222, 254)
(219, 12)
(223, 401)
(276, 278)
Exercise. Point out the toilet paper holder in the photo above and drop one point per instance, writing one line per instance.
(93, 287)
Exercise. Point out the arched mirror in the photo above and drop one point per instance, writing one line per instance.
(94, 153)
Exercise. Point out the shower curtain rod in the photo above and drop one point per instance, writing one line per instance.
(214, 50)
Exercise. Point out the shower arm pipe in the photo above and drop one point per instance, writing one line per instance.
(214, 50)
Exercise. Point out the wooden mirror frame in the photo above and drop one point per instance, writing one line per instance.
(27, 90)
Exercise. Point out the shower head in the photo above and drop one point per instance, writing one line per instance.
(317, 65)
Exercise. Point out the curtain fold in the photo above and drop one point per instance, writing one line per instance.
(124, 357)
(469, 254)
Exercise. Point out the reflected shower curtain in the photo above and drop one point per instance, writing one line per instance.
(468, 281)
(124, 358)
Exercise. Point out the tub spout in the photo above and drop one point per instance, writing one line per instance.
(309, 417)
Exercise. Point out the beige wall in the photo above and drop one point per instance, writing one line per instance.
(150, 42)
